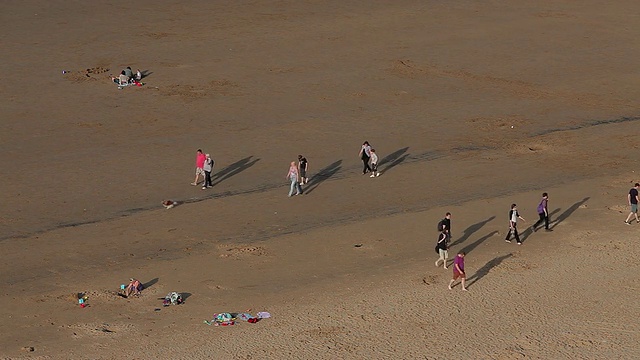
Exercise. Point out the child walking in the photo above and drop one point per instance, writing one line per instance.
(374, 164)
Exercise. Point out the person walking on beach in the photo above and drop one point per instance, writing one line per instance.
(513, 224)
(458, 270)
(445, 224)
(365, 155)
(632, 199)
(374, 163)
(443, 246)
(292, 175)
(543, 212)
(303, 166)
(208, 168)
(200, 159)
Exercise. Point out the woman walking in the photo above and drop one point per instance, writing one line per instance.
(292, 175)
(365, 155)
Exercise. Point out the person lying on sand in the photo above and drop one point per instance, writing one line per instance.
(134, 288)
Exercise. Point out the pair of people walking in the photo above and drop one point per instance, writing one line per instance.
(204, 167)
(369, 154)
(442, 248)
(514, 216)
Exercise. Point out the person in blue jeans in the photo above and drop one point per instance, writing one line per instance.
(292, 175)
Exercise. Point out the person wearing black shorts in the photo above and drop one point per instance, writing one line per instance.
(303, 166)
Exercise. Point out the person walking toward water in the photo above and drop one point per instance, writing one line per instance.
(200, 159)
(208, 168)
(442, 248)
(303, 166)
(513, 224)
(458, 270)
(374, 163)
(632, 199)
(365, 155)
(292, 175)
(543, 212)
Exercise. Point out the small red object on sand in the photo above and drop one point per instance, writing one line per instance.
(83, 306)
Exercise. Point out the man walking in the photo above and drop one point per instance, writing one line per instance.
(543, 212)
(458, 270)
(513, 224)
(292, 175)
(365, 155)
(443, 246)
(303, 166)
(632, 199)
(200, 159)
(445, 224)
(208, 168)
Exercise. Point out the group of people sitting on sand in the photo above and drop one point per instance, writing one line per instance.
(127, 77)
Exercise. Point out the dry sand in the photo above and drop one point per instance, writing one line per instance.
(436, 88)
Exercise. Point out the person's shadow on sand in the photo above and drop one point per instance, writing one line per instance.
(150, 283)
(568, 212)
(469, 248)
(470, 230)
(486, 269)
(393, 159)
(322, 175)
(233, 169)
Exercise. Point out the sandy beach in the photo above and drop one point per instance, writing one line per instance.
(471, 107)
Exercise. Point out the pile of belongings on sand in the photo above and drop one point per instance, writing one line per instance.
(226, 319)
(172, 298)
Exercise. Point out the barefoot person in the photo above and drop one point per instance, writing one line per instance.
(458, 270)
(543, 212)
(303, 166)
(133, 288)
(200, 159)
(365, 155)
(292, 175)
(513, 224)
(443, 247)
(632, 199)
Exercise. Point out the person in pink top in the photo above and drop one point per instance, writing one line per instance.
(200, 159)
(458, 270)
(292, 175)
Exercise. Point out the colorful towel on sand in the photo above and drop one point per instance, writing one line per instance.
(226, 319)
(222, 319)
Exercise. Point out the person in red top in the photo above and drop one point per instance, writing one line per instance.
(200, 159)
(458, 270)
